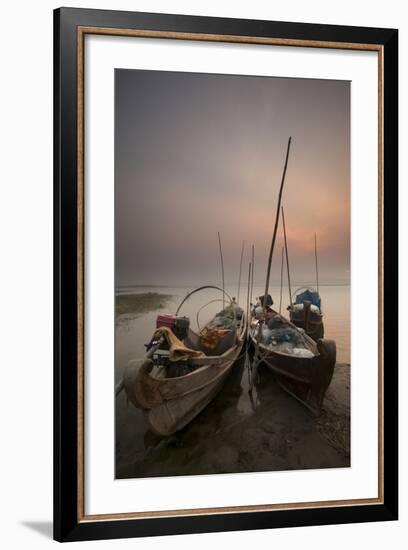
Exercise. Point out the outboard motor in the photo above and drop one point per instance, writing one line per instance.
(181, 327)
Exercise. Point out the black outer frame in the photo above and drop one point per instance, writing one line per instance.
(66, 525)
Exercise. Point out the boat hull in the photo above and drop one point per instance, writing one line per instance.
(305, 378)
(170, 404)
(174, 414)
(311, 322)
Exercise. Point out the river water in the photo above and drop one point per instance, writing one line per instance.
(139, 453)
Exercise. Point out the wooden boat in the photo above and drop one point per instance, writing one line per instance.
(303, 367)
(305, 308)
(306, 313)
(172, 393)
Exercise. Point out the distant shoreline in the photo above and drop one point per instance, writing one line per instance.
(133, 305)
(227, 284)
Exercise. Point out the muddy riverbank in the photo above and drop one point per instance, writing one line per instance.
(271, 432)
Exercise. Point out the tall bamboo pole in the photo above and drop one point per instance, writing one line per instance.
(287, 256)
(247, 320)
(252, 271)
(281, 284)
(248, 291)
(275, 229)
(317, 271)
(222, 271)
(240, 270)
(257, 357)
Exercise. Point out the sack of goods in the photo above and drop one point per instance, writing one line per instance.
(299, 307)
(301, 352)
(276, 322)
(258, 312)
(283, 335)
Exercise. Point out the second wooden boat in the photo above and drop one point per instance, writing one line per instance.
(305, 309)
(306, 312)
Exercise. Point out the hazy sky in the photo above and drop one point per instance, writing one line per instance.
(199, 153)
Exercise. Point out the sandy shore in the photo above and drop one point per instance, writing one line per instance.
(236, 433)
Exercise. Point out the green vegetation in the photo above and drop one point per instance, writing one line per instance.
(133, 305)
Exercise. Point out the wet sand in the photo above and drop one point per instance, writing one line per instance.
(236, 433)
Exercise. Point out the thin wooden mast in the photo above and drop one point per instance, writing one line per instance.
(257, 357)
(317, 271)
(222, 271)
(252, 271)
(281, 284)
(248, 292)
(287, 256)
(248, 316)
(275, 229)
(240, 270)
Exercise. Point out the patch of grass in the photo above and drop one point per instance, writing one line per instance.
(133, 305)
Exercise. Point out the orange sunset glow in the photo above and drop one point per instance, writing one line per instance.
(197, 154)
